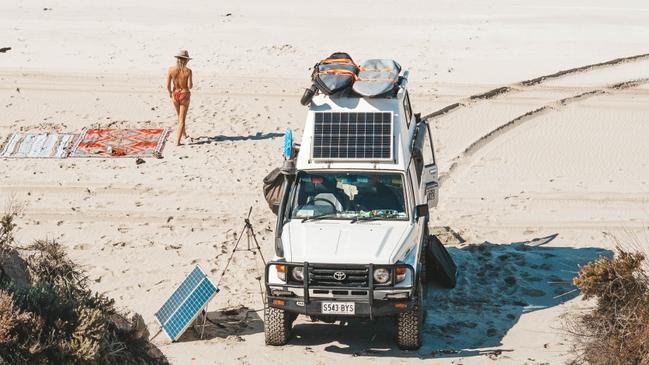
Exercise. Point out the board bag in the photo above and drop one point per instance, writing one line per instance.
(335, 73)
(377, 77)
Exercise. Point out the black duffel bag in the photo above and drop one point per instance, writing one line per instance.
(273, 189)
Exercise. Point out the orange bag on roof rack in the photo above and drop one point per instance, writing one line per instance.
(339, 60)
(334, 73)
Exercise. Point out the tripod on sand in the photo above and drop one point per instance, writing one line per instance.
(250, 238)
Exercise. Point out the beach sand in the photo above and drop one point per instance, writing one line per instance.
(572, 176)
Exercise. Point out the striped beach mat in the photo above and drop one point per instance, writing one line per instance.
(38, 145)
(120, 143)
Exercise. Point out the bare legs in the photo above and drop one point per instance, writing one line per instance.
(181, 111)
(181, 118)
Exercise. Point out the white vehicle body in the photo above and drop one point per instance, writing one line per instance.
(341, 244)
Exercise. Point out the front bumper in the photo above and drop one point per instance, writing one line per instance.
(378, 308)
(373, 300)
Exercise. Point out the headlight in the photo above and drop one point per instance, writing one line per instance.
(281, 272)
(298, 273)
(401, 274)
(381, 276)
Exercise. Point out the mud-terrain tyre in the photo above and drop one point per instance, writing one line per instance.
(278, 325)
(441, 267)
(410, 324)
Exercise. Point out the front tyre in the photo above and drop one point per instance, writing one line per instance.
(278, 325)
(410, 325)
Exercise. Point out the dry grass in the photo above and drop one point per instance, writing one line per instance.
(56, 318)
(616, 332)
(18, 329)
(7, 225)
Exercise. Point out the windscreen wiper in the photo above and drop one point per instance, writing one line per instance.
(360, 218)
(318, 217)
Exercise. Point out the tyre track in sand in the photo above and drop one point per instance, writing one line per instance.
(521, 85)
(557, 105)
(479, 134)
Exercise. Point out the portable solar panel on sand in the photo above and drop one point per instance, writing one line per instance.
(186, 303)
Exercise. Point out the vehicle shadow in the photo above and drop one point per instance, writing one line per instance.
(237, 321)
(222, 138)
(496, 284)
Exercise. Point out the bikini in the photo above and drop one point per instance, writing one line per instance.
(181, 95)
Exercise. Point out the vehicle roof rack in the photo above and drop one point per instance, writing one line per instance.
(339, 76)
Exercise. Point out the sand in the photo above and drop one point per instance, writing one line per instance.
(519, 210)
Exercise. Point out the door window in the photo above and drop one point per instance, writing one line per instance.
(407, 109)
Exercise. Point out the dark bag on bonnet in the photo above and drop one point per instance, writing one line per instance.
(273, 189)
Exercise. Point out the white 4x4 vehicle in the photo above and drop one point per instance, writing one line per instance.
(352, 233)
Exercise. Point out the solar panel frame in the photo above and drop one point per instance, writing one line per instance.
(186, 303)
(353, 136)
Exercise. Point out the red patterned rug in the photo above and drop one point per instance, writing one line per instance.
(121, 143)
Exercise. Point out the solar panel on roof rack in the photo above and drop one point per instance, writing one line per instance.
(186, 303)
(352, 136)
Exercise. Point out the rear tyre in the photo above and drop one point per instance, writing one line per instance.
(441, 267)
(278, 325)
(410, 325)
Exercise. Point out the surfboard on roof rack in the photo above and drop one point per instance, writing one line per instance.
(339, 76)
(377, 77)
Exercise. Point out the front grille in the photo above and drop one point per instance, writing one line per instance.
(354, 277)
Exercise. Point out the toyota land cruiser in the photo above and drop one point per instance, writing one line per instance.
(352, 227)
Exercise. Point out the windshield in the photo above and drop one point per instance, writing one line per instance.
(348, 196)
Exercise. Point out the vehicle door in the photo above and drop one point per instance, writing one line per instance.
(429, 182)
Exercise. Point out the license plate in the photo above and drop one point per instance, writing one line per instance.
(338, 308)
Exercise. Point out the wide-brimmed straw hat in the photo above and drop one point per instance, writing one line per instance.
(183, 54)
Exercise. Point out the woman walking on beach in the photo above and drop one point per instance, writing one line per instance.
(181, 77)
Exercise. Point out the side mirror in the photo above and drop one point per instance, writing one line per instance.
(421, 210)
(308, 95)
